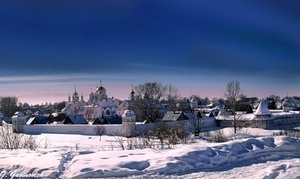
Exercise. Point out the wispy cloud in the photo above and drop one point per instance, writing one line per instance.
(183, 43)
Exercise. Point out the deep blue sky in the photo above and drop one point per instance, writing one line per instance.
(48, 47)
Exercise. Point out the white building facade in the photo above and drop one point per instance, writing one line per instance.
(74, 106)
(98, 105)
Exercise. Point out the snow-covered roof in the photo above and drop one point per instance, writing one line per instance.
(101, 88)
(262, 109)
(79, 119)
(176, 116)
(243, 117)
(39, 119)
(67, 110)
(128, 113)
(19, 114)
(55, 114)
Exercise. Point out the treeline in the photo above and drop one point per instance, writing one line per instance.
(9, 105)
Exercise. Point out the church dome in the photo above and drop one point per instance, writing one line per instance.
(132, 92)
(100, 88)
(75, 94)
(101, 91)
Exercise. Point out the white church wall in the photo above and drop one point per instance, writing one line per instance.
(111, 129)
(115, 129)
(286, 119)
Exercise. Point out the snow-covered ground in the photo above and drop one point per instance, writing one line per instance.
(260, 155)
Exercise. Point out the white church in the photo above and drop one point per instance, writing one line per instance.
(98, 105)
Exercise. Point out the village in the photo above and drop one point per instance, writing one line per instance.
(150, 89)
(190, 141)
(79, 116)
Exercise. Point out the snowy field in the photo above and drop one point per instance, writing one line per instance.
(259, 155)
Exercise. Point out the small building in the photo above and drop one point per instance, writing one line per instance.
(245, 107)
(115, 119)
(38, 119)
(175, 116)
(128, 121)
(149, 120)
(57, 118)
(7, 120)
(262, 111)
(99, 120)
(18, 121)
(211, 114)
(290, 104)
(194, 103)
(79, 119)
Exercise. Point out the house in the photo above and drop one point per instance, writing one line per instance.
(115, 119)
(211, 114)
(149, 120)
(100, 120)
(175, 116)
(7, 120)
(38, 119)
(57, 118)
(262, 110)
(244, 106)
(241, 107)
(79, 119)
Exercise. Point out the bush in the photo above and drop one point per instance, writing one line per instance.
(218, 136)
(30, 143)
(171, 135)
(100, 130)
(10, 140)
(119, 139)
(290, 133)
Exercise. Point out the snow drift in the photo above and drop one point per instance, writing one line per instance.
(183, 160)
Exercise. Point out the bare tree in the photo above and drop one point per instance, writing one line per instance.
(233, 93)
(152, 91)
(196, 123)
(8, 105)
(172, 96)
(100, 130)
(147, 98)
